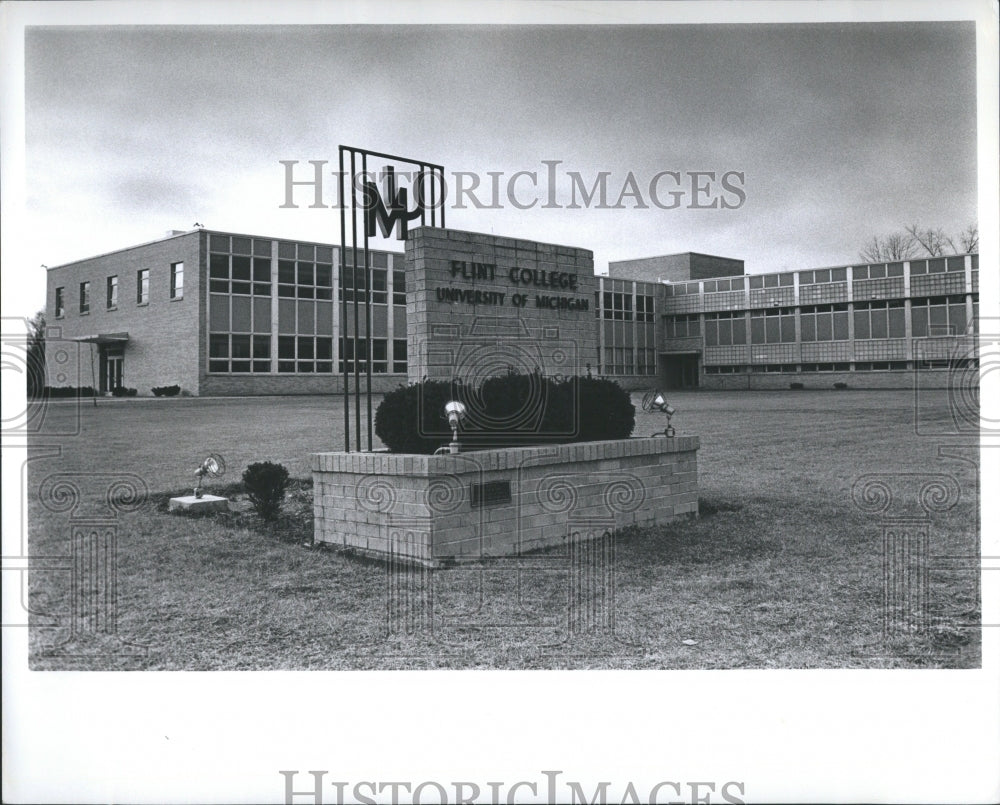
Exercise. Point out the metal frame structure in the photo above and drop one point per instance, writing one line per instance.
(367, 209)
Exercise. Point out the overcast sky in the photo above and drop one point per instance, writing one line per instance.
(840, 131)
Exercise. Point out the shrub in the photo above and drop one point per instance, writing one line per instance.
(166, 391)
(121, 391)
(409, 419)
(796, 386)
(606, 410)
(506, 410)
(265, 484)
(840, 385)
(56, 392)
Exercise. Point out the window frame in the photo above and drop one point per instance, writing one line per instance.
(142, 286)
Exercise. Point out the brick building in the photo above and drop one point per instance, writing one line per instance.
(221, 314)
(226, 314)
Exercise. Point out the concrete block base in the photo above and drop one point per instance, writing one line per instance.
(469, 507)
(202, 505)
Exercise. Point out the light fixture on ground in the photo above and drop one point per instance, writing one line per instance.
(213, 466)
(455, 412)
(653, 402)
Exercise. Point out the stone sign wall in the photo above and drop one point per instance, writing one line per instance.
(434, 510)
(477, 304)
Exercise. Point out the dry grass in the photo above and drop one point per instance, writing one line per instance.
(781, 569)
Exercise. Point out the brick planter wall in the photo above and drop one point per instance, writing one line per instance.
(434, 510)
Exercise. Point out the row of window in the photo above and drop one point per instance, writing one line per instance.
(626, 361)
(858, 366)
(111, 291)
(720, 286)
(238, 354)
(939, 315)
(301, 279)
(618, 306)
(938, 265)
(294, 251)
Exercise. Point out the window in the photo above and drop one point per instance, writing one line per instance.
(352, 283)
(142, 287)
(879, 319)
(352, 279)
(823, 275)
(177, 281)
(643, 307)
(824, 323)
(880, 366)
(725, 329)
(84, 297)
(239, 353)
(646, 361)
(771, 280)
(239, 274)
(399, 355)
(938, 315)
(722, 286)
(618, 306)
(399, 288)
(112, 293)
(305, 354)
(60, 302)
(380, 363)
(681, 326)
(773, 326)
(826, 367)
(240, 267)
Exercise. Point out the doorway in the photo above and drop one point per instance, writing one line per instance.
(679, 370)
(112, 368)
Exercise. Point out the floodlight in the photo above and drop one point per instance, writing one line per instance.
(654, 401)
(455, 413)
(214, 466)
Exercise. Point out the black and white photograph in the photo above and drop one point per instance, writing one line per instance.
(500, 402)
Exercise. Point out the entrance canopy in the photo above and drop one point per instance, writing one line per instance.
(102, 338)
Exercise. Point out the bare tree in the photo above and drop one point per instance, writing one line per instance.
(914, 240)
(933, 241)
(889, 248)
(968, 238)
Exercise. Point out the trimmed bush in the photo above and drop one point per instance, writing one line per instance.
(265, 484)
(796, 386)
(505, 411)
(166, 391)
(840, 385)
(409, 419)
(121, 391)
(57, 392)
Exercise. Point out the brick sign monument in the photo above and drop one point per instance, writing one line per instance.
(480, 303)
(478, 306)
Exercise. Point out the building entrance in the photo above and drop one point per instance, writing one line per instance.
(112, 368)
(679, 370)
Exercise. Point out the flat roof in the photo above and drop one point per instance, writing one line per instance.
(677, 254)
(178, 234)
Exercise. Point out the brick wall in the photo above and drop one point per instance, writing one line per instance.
(420, 508)
(448, 339)
(925, 378)
(253, 385)
(676, 267)
(163, 346)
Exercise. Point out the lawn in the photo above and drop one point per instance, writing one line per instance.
(781, 570)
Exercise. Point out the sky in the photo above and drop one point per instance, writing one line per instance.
(833, 132)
